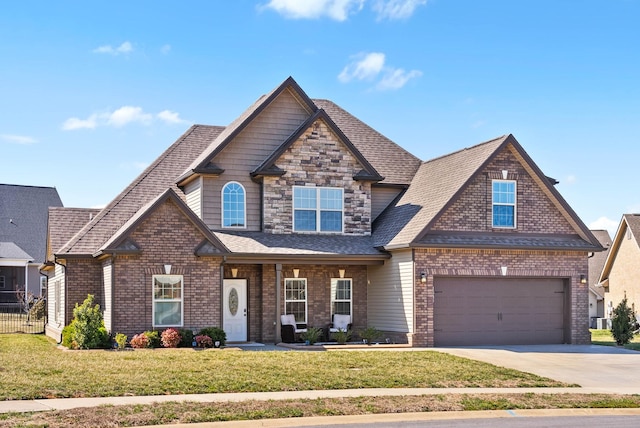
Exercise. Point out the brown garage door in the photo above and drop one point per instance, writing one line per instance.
(498, 311)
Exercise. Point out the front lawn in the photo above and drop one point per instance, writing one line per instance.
(33, 367)
(604, 337)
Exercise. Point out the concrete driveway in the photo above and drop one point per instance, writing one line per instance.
(599, 368)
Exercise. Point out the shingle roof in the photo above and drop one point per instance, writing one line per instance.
(433, 187)
(9, 250)
(23, 217)
(297, 244)
(157, 178)
(630, 223)
(522, 241)
(633, 220)
(394, 163)
(598, 259)
(64, 223)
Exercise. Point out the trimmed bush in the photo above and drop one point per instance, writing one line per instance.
(623, 323)
(87, 328)
(215, 333)
(170, 338)
(186, 338)
(121, 341)
(67, 337)
(204, 341)
(154, 338)
(140, 341)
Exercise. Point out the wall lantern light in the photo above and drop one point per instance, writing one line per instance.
(583, 279)
(423, 278)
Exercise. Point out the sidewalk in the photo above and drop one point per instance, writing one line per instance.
(72, 403)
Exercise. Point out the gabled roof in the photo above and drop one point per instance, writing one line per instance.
(23, 217)
(269, 165)
(155, 180)
(120, 242)
(9, 250)
(597, 260)
(201, 163)
(391, 161)
(629, 227)
(438, 184)
(64, 223)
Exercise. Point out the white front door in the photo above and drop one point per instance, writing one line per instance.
(234, 305)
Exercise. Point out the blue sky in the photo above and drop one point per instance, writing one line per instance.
(92, 92)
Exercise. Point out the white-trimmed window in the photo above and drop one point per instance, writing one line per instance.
(503, 203)
(233, 205)
(341, 302)
(295, 298)
(167, 301)
(317, 209)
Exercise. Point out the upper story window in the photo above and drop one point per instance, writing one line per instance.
(233, 205)
(504, 203)
(317, 209)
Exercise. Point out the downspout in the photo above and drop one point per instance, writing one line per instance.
(224, 262)
(113, 281)
(26, 286)
(278, 291)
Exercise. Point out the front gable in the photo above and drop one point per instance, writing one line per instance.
(535, 211)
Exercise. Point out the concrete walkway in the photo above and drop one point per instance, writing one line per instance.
(598, 369)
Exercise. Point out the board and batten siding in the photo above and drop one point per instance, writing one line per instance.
(381, 197)
(193, 193)
(246, 152)
(107, 281)
(390, 293)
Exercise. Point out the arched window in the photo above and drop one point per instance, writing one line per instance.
(233, 205)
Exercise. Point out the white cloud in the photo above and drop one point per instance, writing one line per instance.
(165, 49)
(338, 10)
(124, 48)
(396, 78)
(74, 123)
(604, 223)
(169, 116)
(118, 118)
(571, 179)
(18, 139)
(396, 9)
(365, 66)
(369, 66)
(128, 114)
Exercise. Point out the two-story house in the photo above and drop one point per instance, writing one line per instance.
(298, 207)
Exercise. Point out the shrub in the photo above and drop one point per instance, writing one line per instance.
(37, 310)
(67, 337)
(623, 323)
(342, 336)
(215, 333)
(312, 335)
(204, 341)
(170, 338)
(154, 338)
(186, 338)
(370, 334)
(140, 341)
(121, 340)
(88, 326)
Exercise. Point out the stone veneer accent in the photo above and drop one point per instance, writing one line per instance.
(535, 212)
(317, 159)
(475, 263)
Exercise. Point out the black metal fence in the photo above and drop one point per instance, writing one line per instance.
(21, 316)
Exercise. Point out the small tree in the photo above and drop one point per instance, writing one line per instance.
(623, 323)
(88, 325)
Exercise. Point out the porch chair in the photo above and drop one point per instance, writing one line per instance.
(340, 322)
(289, 330)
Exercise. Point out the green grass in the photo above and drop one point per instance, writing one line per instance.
(33, 367)
(605, 338)
(17, 323)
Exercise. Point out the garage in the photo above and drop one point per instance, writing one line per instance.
(499, 311)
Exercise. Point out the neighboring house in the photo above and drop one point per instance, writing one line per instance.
(596, 264)
(23, 235)
(297, 207)
(621, 270)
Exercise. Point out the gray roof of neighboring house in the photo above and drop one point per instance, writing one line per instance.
(9, 250)
(633, 220)
(157, 178)
(23, 217)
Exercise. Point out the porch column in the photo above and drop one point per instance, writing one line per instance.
(278, 290)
